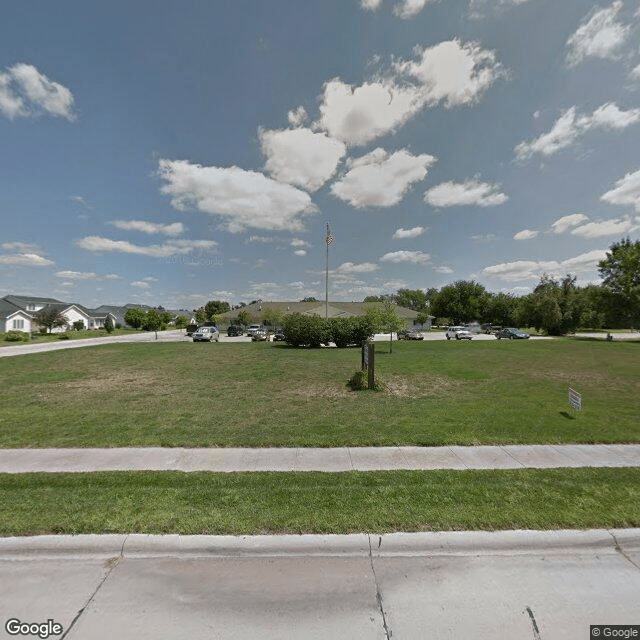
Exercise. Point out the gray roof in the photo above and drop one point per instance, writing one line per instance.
(22, 301)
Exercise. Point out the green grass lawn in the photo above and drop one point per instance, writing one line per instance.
(264, 394)
(259, 503)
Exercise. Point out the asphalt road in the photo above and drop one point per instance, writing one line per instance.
(511, 585)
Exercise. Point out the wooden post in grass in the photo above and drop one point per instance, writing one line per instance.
(368, 362)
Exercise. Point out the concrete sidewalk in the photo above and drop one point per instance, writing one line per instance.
(317, 459)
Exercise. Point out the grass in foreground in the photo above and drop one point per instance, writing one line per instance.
(250, 394)
(259, 503)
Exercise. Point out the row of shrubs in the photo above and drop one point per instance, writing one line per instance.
(312, 331)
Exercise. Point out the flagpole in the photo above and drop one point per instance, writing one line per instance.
(326, 279)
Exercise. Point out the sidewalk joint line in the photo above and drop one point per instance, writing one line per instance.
(620, 550)
(112, 566)
(387, 631)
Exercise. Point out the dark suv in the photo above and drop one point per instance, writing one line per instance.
(235, 330)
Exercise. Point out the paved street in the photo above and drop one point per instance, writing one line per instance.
(512, 584)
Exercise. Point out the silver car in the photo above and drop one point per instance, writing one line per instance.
(459, 333)
(206, 334)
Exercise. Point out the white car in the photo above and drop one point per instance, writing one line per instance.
(459, 333)
(206, 334)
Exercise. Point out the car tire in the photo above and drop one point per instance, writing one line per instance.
(448, 337)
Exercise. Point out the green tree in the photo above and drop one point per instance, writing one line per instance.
(273, 317)
(244, 317)
(181, 322)
(214, 308)
(462, 301)
(385, 318)
(502, 309)
(50, 318)
(200, 316)
(108, 324)
(153, 321)
(134, 317)
(620, 271)
(553, 307)
(415, 299)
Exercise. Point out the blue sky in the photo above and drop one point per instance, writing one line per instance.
(173, 153)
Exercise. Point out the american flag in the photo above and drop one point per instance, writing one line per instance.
(329, 237)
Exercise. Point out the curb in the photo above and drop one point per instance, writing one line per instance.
(436, 543)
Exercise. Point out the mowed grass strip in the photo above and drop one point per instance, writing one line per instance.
(259, 395)
(260, 503)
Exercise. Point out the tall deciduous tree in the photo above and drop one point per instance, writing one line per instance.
(415, 299)
(462, 301)
(134, 317)
(50, 318)
(620, 271)
(214, 308)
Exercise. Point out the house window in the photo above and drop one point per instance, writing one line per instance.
(18, 324)
(31, 307)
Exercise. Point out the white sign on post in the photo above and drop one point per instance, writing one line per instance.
(575, 399)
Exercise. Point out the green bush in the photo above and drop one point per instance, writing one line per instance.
(78, 325)
(350, 331)
(306, 331)
(359, 381)
(16, 336)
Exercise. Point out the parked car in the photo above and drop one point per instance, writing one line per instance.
(235, 330)
(510, 333)
(459, 333)
(410, 334)
(252, 328)
(206, 334)
(278, 336)
(260, 335)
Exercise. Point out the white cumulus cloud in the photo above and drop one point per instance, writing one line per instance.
(173, 229)
(567, 222)
(242, 199)
(26, 260)
(409, 8)
(452, 72)
(379, 179)
(611, 227)
(581, 265)
(24, 92)
(625, 192)
(470, 192)
(570, 126)
(300, 156)
(358, 115)
(414, 232)
(600, 35)
(80, 275)
(417, 257)
(169, 248)
(526, 234)
(363, 267)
